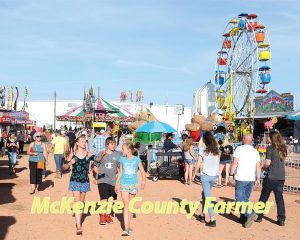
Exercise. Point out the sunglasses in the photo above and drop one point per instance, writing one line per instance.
(38, 136)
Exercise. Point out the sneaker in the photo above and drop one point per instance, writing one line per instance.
(280, 223)
(108, 219)
(102, 219)
(258, 220)
(250, 220)
(211, 224)
(242, 219)
(201, 218)
(126, 233)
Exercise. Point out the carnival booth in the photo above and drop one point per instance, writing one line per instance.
(100, 114)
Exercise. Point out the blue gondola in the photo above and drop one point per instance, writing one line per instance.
(219, 77)
(264, 68)
(243, 15)
(242, 24)
(265, 78)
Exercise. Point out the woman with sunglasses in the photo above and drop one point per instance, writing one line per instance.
(37, 152)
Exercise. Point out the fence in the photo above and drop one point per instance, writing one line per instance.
(292, 168)
(292, 172)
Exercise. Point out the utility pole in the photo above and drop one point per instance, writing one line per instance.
(54, 122)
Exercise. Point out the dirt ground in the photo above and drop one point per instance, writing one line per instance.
(16, 222)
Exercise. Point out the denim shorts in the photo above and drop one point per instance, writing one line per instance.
(130, 188)
(189, 161)
(226, 162)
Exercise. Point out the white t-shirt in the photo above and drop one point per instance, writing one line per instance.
(248, 157)
(210, 163)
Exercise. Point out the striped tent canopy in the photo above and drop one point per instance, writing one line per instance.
(294, 115)
(104, 111)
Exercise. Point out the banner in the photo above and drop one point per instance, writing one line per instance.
(274, 102)
(17, 97)
(25, 97)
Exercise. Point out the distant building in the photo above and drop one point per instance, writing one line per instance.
(204, 100)
(42, 112)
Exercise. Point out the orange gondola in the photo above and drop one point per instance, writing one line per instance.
(260, 36)
(227, 44)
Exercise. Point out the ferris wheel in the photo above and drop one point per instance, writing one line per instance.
(243, 66)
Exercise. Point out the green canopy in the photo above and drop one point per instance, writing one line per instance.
(145, 138)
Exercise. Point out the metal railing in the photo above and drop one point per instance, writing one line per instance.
(292, 173)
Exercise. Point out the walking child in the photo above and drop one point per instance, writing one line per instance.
(127, 181)
(106, 170)
(79, 181)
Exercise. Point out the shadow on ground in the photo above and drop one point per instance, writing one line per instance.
(5, 223)
(6, 195)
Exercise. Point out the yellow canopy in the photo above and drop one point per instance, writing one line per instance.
(264, 45)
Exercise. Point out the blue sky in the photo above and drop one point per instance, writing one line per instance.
(167, 48)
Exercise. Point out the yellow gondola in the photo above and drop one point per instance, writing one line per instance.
(234, 31)
(264, 55)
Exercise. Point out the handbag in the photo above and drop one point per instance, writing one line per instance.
(40, 164)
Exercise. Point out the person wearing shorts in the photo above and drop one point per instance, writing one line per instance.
(189, 160)
(225, 161)
(127, 181)
(106, 168)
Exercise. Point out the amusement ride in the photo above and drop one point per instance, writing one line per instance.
(243, 69)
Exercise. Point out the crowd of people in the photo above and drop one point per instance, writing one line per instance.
(115, 162)
(243, 167)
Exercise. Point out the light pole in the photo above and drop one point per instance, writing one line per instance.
(54, 122)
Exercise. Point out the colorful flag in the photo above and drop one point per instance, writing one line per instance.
(25, 97)
(17, 97)
(8, 98)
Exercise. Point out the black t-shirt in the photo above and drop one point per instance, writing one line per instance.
(72, 137)
(12, 148)
(168, 145)
(276, 170)
(226, 153)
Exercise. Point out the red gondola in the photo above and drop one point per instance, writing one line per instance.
(252, 16)
(262, 90)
